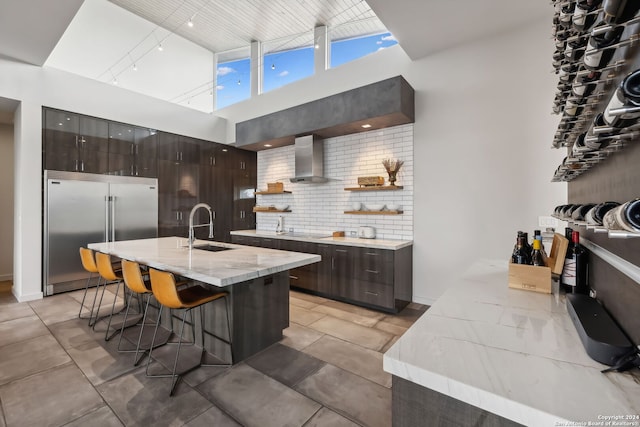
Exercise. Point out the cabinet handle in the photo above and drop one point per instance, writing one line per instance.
(177, 216)
(76, 167)
(210, 161)
(340, 250)
(81, 165)
(333, 263)
(372, 271)
(177, 156)
(181, 156)
(371, 253)
(293, 277)
(132, 149)
(76, 142)
(213, 214)
(375, 294)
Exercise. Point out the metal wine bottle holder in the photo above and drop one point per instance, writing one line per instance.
(578, 111)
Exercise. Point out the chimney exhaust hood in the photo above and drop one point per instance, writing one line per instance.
(309, 160)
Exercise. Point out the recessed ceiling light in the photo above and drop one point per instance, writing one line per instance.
(190, 23)
(160, 48)
(268, 145)
(366, 126)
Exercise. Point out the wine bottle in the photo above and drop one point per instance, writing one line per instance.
(626, 95)
(599, 53)
(579, 214)
(576, 277)
(520, 253)
(583, 15)
(566, 14)
(537, 235)
(536, 255)
(625, 217)
(601, 210)
(618, 11)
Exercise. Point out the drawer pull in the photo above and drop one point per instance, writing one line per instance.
(372, 271)
(340, 250)
(293, 277)
(375, 294)
(371, 253)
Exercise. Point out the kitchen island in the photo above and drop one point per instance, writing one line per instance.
(485, 354)
(257, 280)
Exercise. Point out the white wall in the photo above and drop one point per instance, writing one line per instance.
(35, 87)
(482, 138)
(6, 207)
(319, 208)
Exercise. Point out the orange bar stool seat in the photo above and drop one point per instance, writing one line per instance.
(140, 286)
(167, 292)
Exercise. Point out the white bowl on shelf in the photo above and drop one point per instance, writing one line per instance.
(375, 207)
(356, 206)
(282, 207)
(394, 207)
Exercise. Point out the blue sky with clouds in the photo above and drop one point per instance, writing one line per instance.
(282, 68)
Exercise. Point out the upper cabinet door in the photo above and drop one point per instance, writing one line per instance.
(61, 144)
(146, 152)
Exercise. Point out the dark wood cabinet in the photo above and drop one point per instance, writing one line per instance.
(177, 148)
(78, 143)
(75, 143)
(244, 173)
(379, 278)
(178, 193)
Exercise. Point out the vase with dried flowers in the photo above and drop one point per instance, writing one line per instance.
(392, 167)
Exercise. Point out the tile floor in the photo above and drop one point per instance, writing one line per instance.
(326, 371)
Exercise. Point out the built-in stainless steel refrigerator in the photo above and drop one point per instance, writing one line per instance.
(81, 208)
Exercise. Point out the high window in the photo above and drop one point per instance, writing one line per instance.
(286, 62)
(346, 50)
(233, 78)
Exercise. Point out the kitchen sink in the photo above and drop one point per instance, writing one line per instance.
(211, 248)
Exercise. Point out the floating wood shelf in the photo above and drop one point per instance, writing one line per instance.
(375, 188)
(264, 193)
(374, 212)
(270, 210)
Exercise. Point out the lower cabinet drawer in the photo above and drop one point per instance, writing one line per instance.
(302, 277)
(372, 293)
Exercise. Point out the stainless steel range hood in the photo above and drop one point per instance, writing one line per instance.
(309, 158)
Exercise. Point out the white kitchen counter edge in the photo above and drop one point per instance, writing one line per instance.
(345, 241)
(513, 353)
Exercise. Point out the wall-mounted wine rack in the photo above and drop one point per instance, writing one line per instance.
(595, 51)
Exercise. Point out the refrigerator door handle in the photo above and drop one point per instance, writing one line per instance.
(113, 218)
(106, 218)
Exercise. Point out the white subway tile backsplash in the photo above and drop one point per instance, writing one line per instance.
(320, 207)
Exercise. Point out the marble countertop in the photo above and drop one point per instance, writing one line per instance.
(222, 268)
(511, 352)
(318, 238)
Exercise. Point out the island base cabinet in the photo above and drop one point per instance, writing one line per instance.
(259, 312)
(412, 404)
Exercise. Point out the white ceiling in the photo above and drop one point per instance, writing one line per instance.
(224, 25)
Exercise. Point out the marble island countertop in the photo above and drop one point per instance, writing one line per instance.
(511, 352)
(239, 264)
(328, 239)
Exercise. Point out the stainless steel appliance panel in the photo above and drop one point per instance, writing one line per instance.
(134, 211)
(76, 216)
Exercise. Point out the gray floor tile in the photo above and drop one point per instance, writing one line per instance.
(350, 357)
(298, 336)
(214, 417)
(347, 331)
(302, 316)
(367, 321)
(141, 401)
(20, 329)
(100, 361)
(327, 418)
(50, 398)
(354, 309)
(29, 357)
(73, 333)
(103, 417)
(14, 310)
(307, 297)
(57, 308)
(254, 399)
(285, 364)
(350, 395)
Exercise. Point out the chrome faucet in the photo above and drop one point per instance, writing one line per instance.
(192, 236)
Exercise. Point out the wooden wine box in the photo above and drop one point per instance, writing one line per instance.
(538, 279)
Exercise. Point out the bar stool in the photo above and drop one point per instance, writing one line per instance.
(89, 264)
(139, 286)
(166, 292)
(110, 276)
